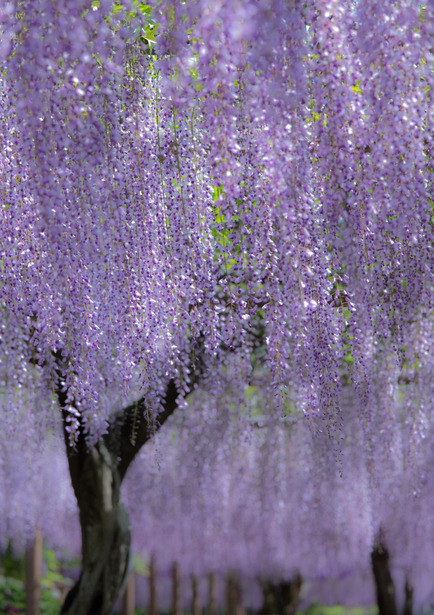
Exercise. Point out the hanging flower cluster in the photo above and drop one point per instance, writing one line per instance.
(260, 181)
(270, 502)
(233, 491)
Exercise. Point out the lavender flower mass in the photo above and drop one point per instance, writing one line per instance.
(216, 274)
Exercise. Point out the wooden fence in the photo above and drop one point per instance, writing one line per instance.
(233, 605)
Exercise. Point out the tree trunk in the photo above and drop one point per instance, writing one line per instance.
(281, 598)
(106, 536)
(96, 476)
(383, 581)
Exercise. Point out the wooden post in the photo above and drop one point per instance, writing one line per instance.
(230, 598)
(33, 575)
(176, 590)
(153, 609)
(195, 608)
(212, 601)
(129, 600)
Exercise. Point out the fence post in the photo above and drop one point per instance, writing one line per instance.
(176, 590)
(129, 598)
(212, 601)
(34, 574)
(195, 608)
(153, 609)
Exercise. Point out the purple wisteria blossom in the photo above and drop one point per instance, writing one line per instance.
(198, 198)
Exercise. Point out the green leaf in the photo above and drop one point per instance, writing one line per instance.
(356, 88)
(217, 190)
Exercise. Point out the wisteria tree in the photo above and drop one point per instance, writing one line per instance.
(193, 192)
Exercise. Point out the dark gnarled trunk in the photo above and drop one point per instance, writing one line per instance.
(96, 476)
(106, 535)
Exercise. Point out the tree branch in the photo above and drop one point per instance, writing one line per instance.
(132, 428)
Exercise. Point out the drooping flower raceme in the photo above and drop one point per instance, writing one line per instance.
(253, 194)
(262, 182)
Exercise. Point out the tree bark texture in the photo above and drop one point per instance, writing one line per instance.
(106, 536)
(384, 585)
(96, 476)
